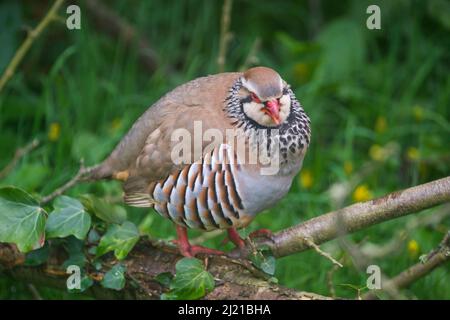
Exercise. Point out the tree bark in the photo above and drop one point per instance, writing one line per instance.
(236, 278)
(359, 216)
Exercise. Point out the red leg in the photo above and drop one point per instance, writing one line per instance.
(261, 233)
(234, 236)
(188, 250)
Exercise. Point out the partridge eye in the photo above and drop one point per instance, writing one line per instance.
(255, 97)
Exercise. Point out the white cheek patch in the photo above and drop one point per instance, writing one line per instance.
(285, 107)
(253, 111)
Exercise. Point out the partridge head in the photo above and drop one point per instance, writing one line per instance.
(213, 182)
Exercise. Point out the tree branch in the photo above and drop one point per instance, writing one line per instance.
(19, 154)
(435, 259)
(359, 216)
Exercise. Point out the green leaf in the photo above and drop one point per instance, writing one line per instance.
(264, 260)
(104, 210)
(37, 257)
(191, 281)
(74, 248)
(120, 239)
(93, 236)
(22, 220)
(164, 279)
(68, 218)
(114, 278)
(85, 283)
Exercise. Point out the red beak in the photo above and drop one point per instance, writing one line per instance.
(273, 110)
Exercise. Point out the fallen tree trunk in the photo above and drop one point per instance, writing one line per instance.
(236, 278)
(233, 279)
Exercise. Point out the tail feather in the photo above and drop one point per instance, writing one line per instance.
(136, 194)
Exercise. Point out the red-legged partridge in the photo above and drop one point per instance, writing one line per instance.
(227, 120)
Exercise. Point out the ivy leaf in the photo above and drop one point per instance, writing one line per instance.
(68, 218)
(93, 236)
(265, 263)
(164, 279)
(104, 210)
(22, 220)
(114, 278)
(264, 260)
(37, 257)
(74, 247)
(85, 283)
(191, 281)
(120, 239)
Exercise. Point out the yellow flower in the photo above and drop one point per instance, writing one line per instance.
(348, 167)
(417, 112)
(377, 152)
(54, 131)
(302, 71)
(306, 179)
(362, 193)
(413, 248)
(380, 124)
(413, 154)
(116, 124)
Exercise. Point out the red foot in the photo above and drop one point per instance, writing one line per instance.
(261, 233)
(234, 237)
(188, 250)
(194, 250)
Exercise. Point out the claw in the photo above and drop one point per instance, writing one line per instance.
(188, 250)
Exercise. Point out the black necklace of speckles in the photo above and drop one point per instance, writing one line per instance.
(293, 135)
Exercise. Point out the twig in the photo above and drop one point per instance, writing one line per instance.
(34, 292)
(435, 259)
(398, 241)
(225, 36)
(82, 175)
(330, 284)
(361, 262)
(19, 154)
(23, 49)
(314, 246)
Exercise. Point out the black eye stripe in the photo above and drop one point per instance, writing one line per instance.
(247, 99)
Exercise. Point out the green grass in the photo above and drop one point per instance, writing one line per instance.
(361, 89)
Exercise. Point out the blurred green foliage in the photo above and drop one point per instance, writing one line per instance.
(79, 92)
